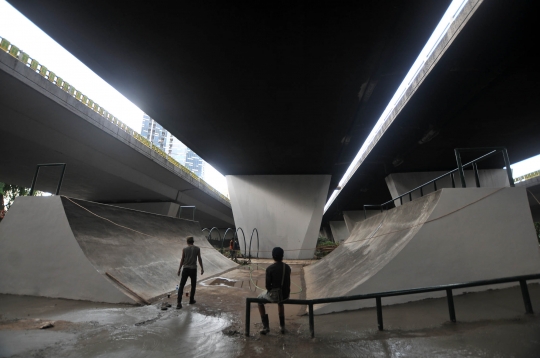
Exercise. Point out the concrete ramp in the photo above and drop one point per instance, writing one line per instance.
(449, 236)
(59, 247)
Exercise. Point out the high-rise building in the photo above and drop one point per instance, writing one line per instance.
(164, 140)
(176, 149)
(154, 132)
(194, 163)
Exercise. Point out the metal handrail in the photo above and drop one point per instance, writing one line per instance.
(244, 236)
(254, 231)
(224, 236)
(210, 233)
(379, 295)
(207, 230)
(493, 150)
(63, 165)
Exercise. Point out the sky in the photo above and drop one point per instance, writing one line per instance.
(20, 31)
(29, 38)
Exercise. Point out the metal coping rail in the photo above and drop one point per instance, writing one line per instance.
(379, 295)
(42, 70)
(457, 151)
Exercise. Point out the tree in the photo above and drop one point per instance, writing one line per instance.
(8, 193)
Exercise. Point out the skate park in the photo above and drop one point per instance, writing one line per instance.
(436, 252)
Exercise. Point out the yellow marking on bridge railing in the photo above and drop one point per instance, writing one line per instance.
(66, 87)
(527, 176)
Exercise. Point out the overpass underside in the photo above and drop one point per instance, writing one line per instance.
(41, 123)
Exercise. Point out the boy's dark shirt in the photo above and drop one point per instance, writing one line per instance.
(274, 274)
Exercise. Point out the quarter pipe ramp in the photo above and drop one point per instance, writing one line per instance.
(62, 247)
(449, 236)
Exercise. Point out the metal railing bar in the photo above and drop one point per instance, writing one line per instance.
(224, 236)
(450, 173)
(250, 239)
(379, 313)
(526, 297)
(379, 295)
(450, 300)
(476, 176)
(34, 180)
(237, 238)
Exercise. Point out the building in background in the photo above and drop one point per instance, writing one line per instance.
(176, 149)
(164, 140)
(154, 132)
(194, 163)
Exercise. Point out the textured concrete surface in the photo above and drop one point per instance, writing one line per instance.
(40, 256)
(489, 324)
(286, 210)
(449, 236)
(340, 232)
(140, 250)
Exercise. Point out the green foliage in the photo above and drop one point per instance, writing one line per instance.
(322, 241)
(10, 191)
(324, 247)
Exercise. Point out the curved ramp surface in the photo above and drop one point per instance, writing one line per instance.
(59, 247)
(449, 236)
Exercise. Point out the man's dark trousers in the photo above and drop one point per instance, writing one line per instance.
(192, 274)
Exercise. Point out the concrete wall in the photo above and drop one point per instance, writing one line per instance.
(450, 236)
(39, 256)
(353, 217)
(400, 183)
(286, 209)
(340, 232)
(326, 233)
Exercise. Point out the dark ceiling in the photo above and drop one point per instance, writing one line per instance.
(484, 92)
(295, 87)
(251, 88)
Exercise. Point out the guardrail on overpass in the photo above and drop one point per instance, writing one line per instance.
(23, 57)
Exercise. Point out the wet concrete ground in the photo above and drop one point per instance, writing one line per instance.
(490, 324)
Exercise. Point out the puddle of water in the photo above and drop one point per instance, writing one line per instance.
(23, 342)
(184, 334)
(220, 281)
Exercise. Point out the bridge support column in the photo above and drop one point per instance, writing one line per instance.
(339, 230)
(286, 210)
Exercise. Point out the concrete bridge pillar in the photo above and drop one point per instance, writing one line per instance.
(286, 210)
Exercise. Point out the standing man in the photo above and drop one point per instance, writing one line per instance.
(190, 254)
(278, 277)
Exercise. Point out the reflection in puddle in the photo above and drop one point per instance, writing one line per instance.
(220, 281)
